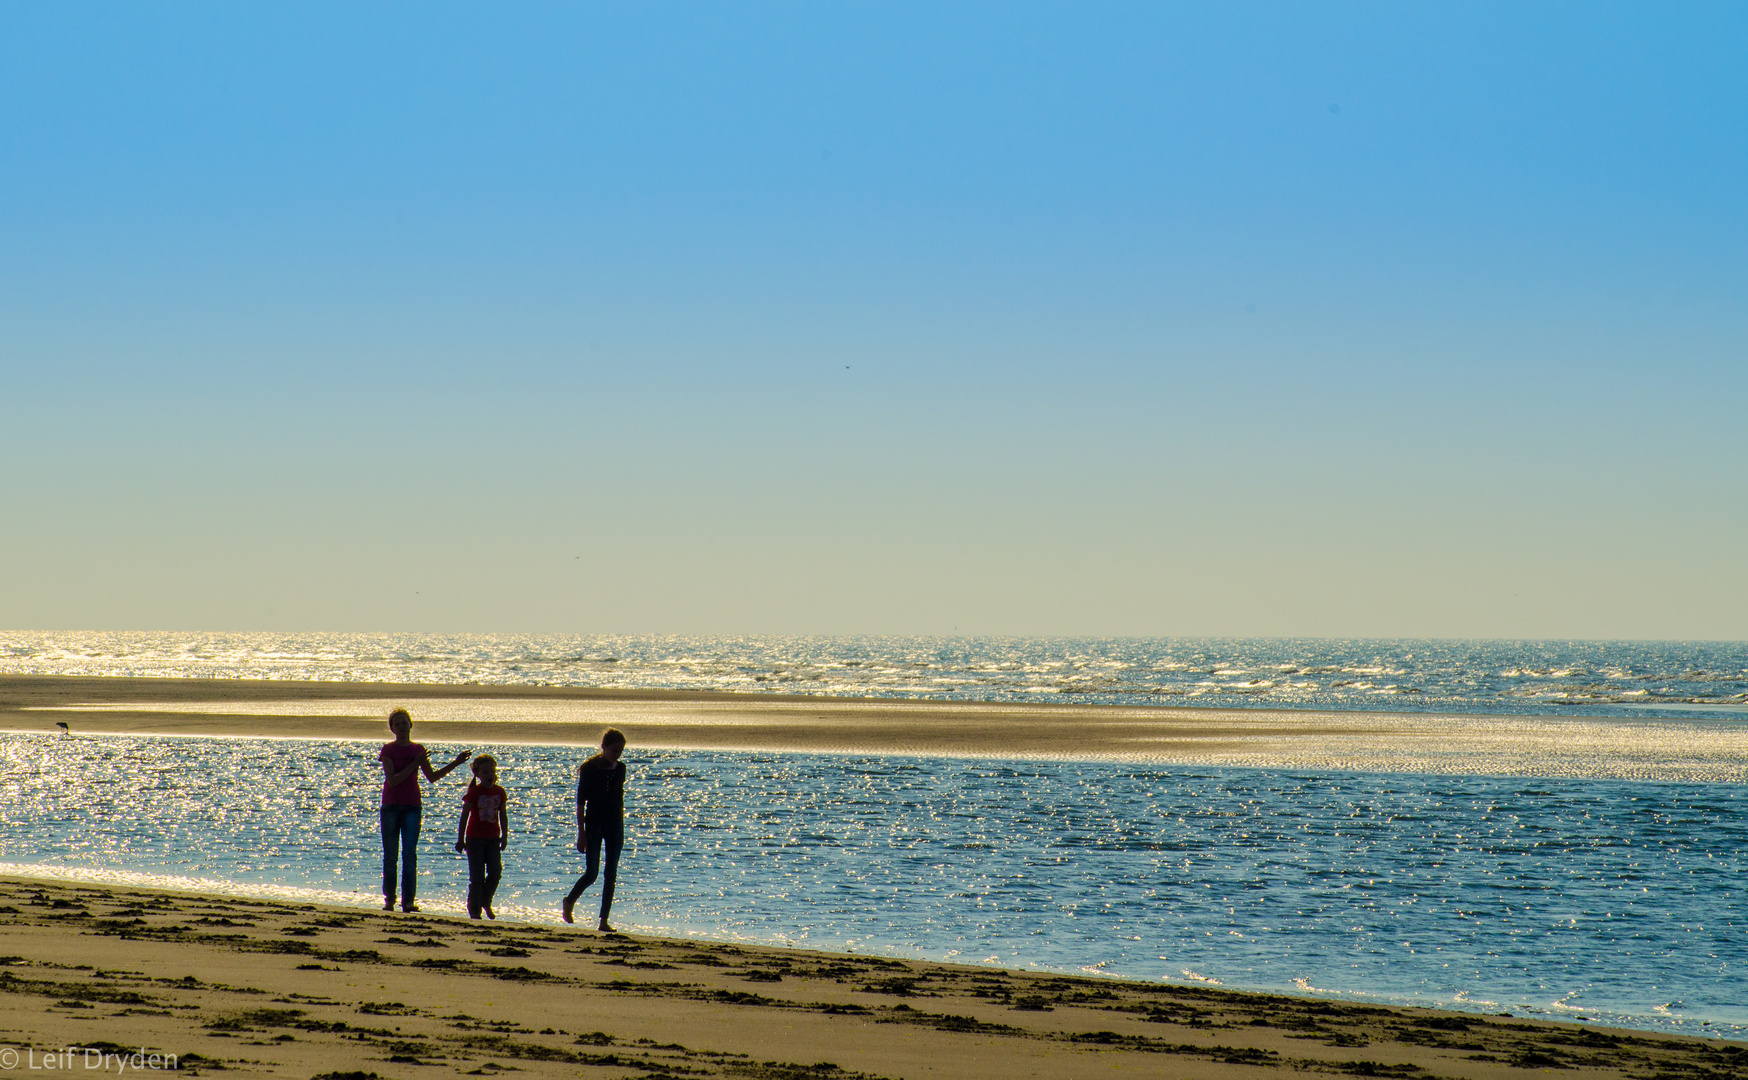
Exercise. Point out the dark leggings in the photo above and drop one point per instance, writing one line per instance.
(400, 837)
(614, 839)
(485, 865)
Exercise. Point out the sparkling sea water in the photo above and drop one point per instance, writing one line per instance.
(1613, 900)
(1595, 678)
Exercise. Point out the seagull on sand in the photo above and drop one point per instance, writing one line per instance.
(62, 724)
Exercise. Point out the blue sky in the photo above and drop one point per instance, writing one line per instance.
(1296, 319)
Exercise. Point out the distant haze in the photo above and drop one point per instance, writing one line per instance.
(1242, 319)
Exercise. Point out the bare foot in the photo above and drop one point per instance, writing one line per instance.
(565, 910)
(409, 908)
(490, 914)
(389, 904)
(605, 929)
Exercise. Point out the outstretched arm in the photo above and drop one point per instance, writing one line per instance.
(425, 763)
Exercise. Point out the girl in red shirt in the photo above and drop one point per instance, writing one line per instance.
(483, 833)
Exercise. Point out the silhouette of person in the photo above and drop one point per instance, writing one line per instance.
(483, 834)
(600, 822)
(402, 761)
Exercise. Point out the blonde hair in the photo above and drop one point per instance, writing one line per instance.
(479, 763)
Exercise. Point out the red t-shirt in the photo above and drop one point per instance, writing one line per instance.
(399, 756)
(481, 805)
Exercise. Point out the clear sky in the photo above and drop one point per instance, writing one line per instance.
(1377, 319)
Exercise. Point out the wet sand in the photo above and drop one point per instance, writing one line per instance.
(575, 716)
(263, 988)
(480, 716)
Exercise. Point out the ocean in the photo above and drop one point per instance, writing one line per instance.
(1596, 898)
(1503, 678)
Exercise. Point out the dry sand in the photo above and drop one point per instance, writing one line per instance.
(258, 988)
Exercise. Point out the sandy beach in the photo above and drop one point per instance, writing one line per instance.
(473, 715)
(260, 988)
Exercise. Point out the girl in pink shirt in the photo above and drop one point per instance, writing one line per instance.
(402, 761)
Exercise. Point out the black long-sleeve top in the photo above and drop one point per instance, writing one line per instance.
(601, 794)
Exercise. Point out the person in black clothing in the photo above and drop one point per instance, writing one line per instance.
(600, 821)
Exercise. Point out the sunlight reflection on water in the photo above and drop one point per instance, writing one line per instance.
(1612, 899)
(1609, 678)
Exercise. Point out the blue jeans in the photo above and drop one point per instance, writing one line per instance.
(400, 835)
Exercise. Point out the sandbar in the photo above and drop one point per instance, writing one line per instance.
(480, 716)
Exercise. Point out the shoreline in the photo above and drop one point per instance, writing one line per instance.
(1565, 746)
(266, 987)
(521, 915)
